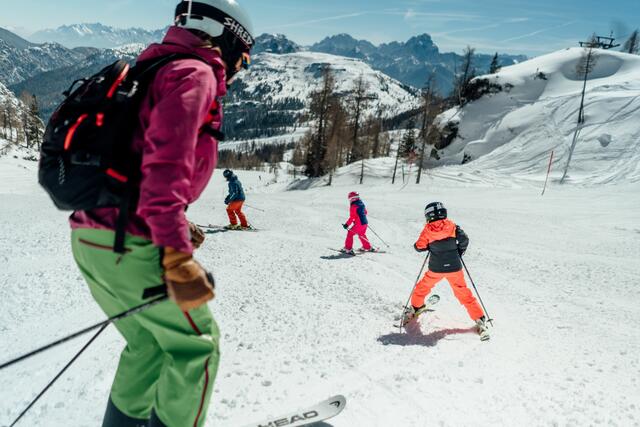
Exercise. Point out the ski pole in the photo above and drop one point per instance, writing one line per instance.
(33, 402)
(374, 232)
(110, 320)
(490, 320)
(415, 284)
(254, 208)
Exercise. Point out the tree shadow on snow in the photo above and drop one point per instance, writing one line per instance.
(415, 336)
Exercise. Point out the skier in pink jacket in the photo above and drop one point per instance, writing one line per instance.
(166, 372)
(357, 218)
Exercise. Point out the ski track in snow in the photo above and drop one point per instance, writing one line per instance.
(558, 274)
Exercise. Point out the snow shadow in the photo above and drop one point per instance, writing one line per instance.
(415, 336)
(304, 184)
(216, 231)
(337, 256)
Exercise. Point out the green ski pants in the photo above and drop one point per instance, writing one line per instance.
(171, 358)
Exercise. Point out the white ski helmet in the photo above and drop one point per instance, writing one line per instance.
(225, 21)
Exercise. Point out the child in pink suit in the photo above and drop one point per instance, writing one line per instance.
(358, 217)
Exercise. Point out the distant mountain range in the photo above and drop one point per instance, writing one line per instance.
(96, 35)
(47, 69)
(410, 62)
(49, 85)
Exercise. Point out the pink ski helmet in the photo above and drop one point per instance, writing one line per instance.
(353, 196)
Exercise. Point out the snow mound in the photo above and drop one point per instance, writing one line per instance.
(515, 130)
(606, 66)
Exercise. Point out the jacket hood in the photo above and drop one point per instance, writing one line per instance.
(442, 229)
(179, 40)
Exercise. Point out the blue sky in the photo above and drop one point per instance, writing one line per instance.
(509, 26)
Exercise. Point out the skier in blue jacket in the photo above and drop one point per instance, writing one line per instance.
(234, 201)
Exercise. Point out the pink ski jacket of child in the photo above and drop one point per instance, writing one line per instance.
(357, 214)
(177, 159)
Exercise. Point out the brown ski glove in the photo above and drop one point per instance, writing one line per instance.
(188, 284)
(196, 234)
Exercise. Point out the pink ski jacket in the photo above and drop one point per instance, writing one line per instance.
(357, 214)
(177, 158)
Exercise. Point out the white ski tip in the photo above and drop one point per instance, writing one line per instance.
(313, 414)
(339, 402)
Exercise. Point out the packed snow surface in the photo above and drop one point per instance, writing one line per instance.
(559, 274)
(537, 112)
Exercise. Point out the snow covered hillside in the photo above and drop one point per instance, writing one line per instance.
(18, 63)
(558, 274)
(295, 75)
(11, 115)
(7, 97)
(536, 112)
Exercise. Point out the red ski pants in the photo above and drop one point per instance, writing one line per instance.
(233, 209)
(459, 286)
(361, 232)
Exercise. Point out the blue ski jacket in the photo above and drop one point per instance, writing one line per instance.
(236, 193)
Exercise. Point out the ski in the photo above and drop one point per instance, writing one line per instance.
(220, 228)
(358, 252)
(319, 412)
(433, 300)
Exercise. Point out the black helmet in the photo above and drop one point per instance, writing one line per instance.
(435, 211)
(227, 173)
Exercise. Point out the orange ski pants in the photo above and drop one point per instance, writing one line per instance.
(233, 209)
(459, 286)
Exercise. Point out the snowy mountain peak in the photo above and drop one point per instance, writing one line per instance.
(422, 46)
(344, 45)
(275, 43)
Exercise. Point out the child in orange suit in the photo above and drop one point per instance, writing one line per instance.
(446, 243)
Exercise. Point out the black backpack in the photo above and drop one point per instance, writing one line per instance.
(86, 158)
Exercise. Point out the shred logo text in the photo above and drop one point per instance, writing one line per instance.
(288, 421)
(239, 31)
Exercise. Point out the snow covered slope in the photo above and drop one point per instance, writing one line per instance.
(296, 75)
(515, 130)
(298, 326)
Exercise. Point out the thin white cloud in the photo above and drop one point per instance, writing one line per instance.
(535, 33)
(319, 20)
(482, 28)
(409, 14)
